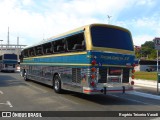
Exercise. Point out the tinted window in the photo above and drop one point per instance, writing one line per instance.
(39, 50)
(31, 52)
(115, 71)
(25, 53)
(47, 48)
(111, 38)
(10, 56)
(0, 57)
(76, 42)
(59, 45)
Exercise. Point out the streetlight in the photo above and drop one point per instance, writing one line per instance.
(1, 46)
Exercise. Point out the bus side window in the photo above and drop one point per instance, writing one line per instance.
(25, 53)
(32, 52)
(76, 42)
(47, 48)
(38, 50)
(59, 46)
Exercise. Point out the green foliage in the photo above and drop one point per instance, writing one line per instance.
(146, 75)
(147, 51)
(149, 44)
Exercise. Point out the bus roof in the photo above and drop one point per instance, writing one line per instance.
(80, 29)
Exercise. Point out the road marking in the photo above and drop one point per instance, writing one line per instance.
(7, 103)
(145, 95)
(1, 92)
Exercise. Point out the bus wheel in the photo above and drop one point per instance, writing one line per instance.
(57, 84)
(25, 76)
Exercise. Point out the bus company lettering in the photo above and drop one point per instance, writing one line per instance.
(114, 58)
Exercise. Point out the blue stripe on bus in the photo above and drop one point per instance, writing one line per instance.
(101, 58)
(9, 62)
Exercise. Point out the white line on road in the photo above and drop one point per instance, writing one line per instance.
(1, 92)
(145, 95)
(7, 103)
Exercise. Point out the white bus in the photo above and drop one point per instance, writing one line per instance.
(8, 62)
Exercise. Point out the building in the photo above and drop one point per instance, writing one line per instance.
(12, 49)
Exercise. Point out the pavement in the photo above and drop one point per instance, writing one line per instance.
(146, 88)
(146, 83)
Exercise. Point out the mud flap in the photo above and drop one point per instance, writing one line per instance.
(123, 87)
(104, 90)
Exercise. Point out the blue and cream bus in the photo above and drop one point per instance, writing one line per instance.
(93, 59)
(8, 62)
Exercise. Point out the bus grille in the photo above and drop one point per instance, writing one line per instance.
(76, 75)
(103, 75)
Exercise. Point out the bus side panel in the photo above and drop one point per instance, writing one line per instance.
(70, 68)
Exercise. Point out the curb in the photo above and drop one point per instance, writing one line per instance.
(146, 83)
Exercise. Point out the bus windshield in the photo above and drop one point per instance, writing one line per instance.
(111, 38)
(10, 56)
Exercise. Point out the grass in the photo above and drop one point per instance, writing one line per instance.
(146, 75)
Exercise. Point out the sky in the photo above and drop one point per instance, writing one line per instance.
(36, 20)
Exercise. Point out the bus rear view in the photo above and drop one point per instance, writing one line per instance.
(8, 62)
(112, 58)
(92, 59)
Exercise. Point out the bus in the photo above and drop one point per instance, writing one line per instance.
(93, 59)
(8, 62)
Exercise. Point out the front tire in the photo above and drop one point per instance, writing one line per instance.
(57, 84)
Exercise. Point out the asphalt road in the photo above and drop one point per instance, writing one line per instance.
(18, 95)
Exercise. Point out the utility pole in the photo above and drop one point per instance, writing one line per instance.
(157, 47)
(8, 38)
(18, 47)
(1, 46)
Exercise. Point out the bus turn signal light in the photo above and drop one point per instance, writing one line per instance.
(93, 69)
(92, 83)
(132, 77)
(93, 62)
(132, 82)
(133, 71)
(93, 76)
(133, 64)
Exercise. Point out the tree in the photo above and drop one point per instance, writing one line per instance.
(149, 44)
(148, 51)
